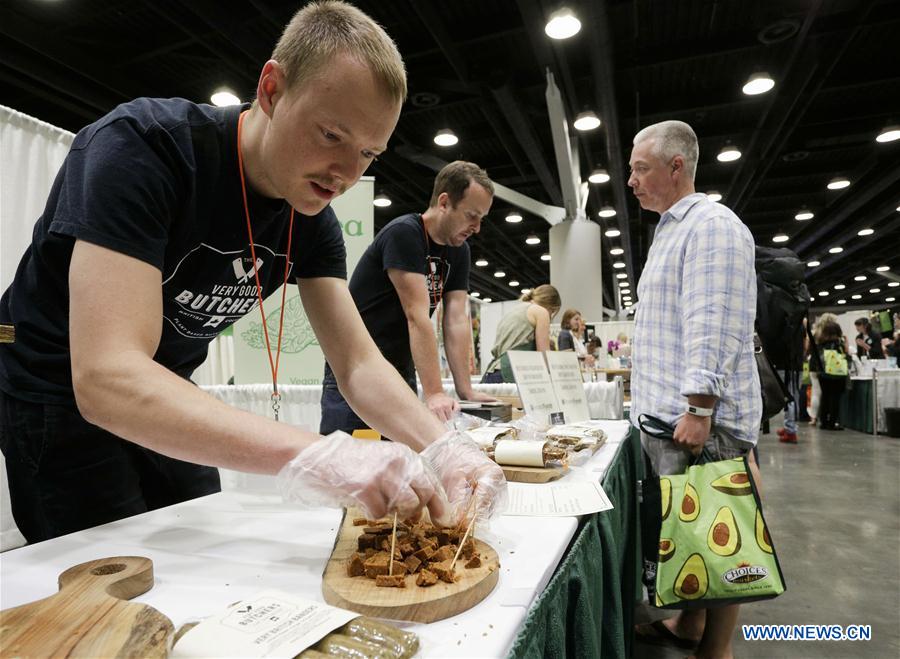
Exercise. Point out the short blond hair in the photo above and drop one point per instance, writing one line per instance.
(320, 31)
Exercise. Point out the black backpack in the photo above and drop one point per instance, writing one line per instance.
(782, 302)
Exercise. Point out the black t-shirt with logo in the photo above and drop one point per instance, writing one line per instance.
(158, 180)
(402, 245)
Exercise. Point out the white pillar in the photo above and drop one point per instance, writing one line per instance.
(576, 266)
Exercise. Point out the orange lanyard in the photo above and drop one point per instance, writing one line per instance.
(273, 364)
(435, 296)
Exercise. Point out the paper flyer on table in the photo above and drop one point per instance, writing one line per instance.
(556, 499)
(270, 624)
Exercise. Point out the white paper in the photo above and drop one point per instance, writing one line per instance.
(270, 624)
(485, 436)
(535, 386)
(565, 374)
(556, 499)
(513, 452)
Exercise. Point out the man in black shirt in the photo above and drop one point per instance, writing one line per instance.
(415, 262)
(167, 222)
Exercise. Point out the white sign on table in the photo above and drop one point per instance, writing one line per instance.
(535, 386)
(565, 373)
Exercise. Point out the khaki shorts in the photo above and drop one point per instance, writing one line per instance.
(667, 459)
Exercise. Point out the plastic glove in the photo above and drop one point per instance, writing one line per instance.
(463, 469)
(377, 477)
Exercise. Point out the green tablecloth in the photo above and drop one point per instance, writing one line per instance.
(856, 406)
(588, 606)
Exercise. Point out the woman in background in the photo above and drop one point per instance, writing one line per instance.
(571, 336)
(831, 337)
(526, 327)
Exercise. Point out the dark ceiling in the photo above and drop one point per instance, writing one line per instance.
(478, 67)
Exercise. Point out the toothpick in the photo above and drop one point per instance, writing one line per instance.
(461, 543)
(393, 540)
(468, 508)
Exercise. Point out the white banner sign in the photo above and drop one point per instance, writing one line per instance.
(565, 373)
(535, 387)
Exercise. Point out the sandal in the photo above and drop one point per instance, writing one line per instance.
(656, 633)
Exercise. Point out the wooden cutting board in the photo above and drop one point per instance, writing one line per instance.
(89, 616)
(533, 474)
(413, 603)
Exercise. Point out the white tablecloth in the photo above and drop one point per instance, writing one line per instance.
(213, 551)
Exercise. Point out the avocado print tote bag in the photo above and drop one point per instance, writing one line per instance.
(714, 546)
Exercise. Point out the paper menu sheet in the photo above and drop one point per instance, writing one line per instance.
(269, 624)
(556, 499)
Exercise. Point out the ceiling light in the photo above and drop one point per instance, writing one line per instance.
(615, 251)
(475, 294)
(842, 301)
(622, 275)
(626, 298)
(758, 83)
(889, 299)
(823, 293)
(525, 291)
(481, 263)
(612, 233)
(562, 24)
(712, 195)
(599, 176)
(618, 265)
(545, 257)
(607, 211)
(838, 183)
(856, 297)
(381, 200)
(813, 264)
(882, 268)
(223, 97)
(499, 274)
(865, 232)
(874, 290)
(728, 153)
(889, 134)
(625, 291)
(894, 284)
(804, 215)
(587, 120)
(513, 218)
(780, 238)
(624, 284)
(836, 250)
(445, 137)
(839, 287)
(513, 282)
(532, 239)
(487, 299)
(859, 278)
(628, 304)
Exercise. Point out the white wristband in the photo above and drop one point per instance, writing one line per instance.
(700, 411)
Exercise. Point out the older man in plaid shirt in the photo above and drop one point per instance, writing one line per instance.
(693, 364)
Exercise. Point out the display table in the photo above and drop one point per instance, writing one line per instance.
(211, 552)
(862, 407)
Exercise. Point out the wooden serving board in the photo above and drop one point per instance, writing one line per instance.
(533, 474)
(89, 616)
(413, 603)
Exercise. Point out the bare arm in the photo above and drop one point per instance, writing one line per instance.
(374, 389)
(540, 318)
(413, 293)
(457, 338)
(115, 324)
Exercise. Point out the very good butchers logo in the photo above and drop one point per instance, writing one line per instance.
(201, 309)
(745, 574)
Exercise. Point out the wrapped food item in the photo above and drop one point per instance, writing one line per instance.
(339, 645)
(576, 436)
(487, 435)
(517, 453)
(403, 644)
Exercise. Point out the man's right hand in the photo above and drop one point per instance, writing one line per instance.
(442, 405)
(395, 478)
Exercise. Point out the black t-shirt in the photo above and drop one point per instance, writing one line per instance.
(158, 180)
(873, 340)
(402, 244)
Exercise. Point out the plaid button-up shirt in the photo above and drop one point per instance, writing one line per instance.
(694, 319)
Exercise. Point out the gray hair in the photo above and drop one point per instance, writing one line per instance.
(670, 139)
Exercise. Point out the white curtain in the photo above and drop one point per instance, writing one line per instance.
(31, 153)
